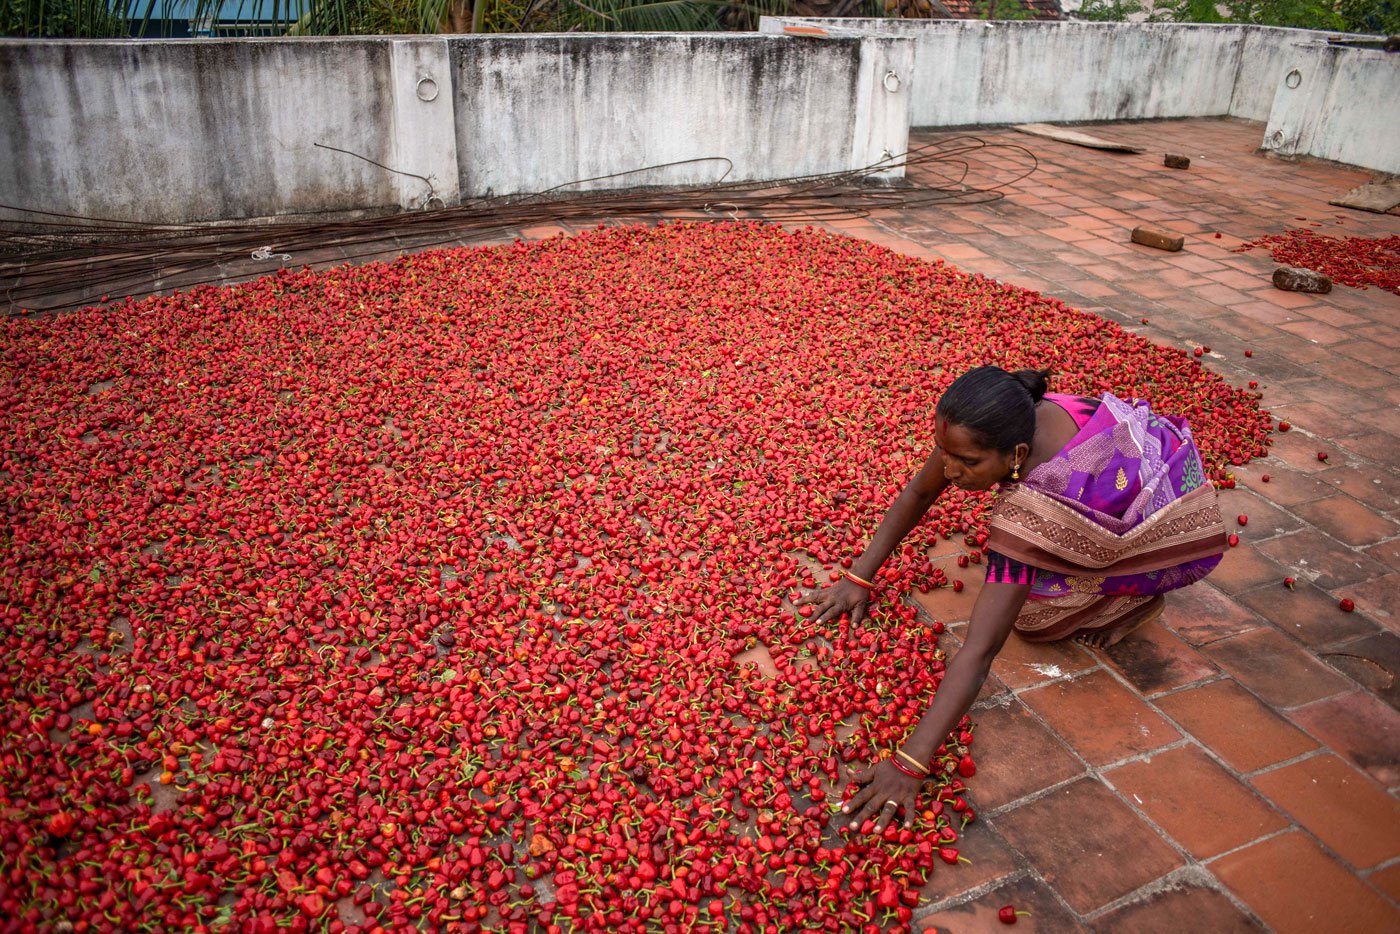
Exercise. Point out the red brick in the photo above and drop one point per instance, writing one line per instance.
(1377, 487)
(1244, 568)
(1307, 613)
(1088, 844)
(1265, 519)
(1286, 486)
(1387, 553)
(1361, 729)
(1021, 664)
(1347, 520)
(1046, 913)
(1180, 908)
(1293, 885)
(1099, 718)
(1319, 558)
(1387, 881)
(1235, 725)
(1343, 808)
(1300, 452)
(990, 859)
(1016, 755)
(1378, 598)
(1153, 660)
(1273, 667)
(1200, 805)
(1200, 614)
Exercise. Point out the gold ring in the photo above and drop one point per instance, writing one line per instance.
(894, 803)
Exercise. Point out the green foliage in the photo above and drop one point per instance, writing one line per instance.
(1381, 18)
(1110, 11)
(1326, 15)
(52, 19)
(1002, 9)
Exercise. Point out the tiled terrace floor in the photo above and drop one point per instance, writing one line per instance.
(1237, 763)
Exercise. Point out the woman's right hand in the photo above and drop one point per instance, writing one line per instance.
(844, 596)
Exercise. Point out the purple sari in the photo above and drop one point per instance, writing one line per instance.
(1122, 514)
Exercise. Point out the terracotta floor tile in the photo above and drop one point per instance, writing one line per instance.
(1317, 332)
(1282, 299)
(1378, 598)
(1265, 519)
(1360, 728)
(1099, 718)
(1087, 844)
(1285, 486)
(1200, 614)
(1180, 908)
(1235, 725)
(1387, 553)
(1244, 568)
(1372, 485)
(1322, 419)
(1016, 755)
(990, 859)
(1273, 667)
(1153, 659)
(1381, 419)
(948, 607)
(1300, 452)
(1376, 445)
(1199, 804)
(1021, 664)
(1341, 399)
(1347, 520)
(1028, 894)
(1387, 881)
(1373, 662)
(1313, 556)
(1307, 613)
(1293, 885)
(1343, 808)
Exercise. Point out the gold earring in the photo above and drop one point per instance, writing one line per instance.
(1015, 471)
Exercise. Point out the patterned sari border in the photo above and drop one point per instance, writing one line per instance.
(1034, 528)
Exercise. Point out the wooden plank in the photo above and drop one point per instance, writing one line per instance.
(1066, 135)
(1377, 197)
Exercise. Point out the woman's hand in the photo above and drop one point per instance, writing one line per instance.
(844, 596)
(887, 792)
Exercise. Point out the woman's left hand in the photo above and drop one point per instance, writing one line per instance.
(887, 792)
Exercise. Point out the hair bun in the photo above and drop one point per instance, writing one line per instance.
(1035, 381)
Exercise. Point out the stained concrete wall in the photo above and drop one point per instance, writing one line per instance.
(172, 131)
(196, 130)
(1337, 103)
(975, 72)
(544, 112)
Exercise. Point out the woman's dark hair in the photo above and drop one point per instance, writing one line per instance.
(996, 406)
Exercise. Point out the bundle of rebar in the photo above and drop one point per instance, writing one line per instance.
(51, 261)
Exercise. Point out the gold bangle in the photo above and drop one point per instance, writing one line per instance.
(912, 761)
(859, 580)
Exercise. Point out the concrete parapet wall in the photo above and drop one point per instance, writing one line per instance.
(203, 130)
(1337, 103)
(535, 113)
(977, 73)
(974, 72)
(200, 130)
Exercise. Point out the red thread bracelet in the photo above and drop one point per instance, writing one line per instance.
(857, 580)
(906, 770)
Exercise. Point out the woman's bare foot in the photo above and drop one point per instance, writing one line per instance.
(1110, 636)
